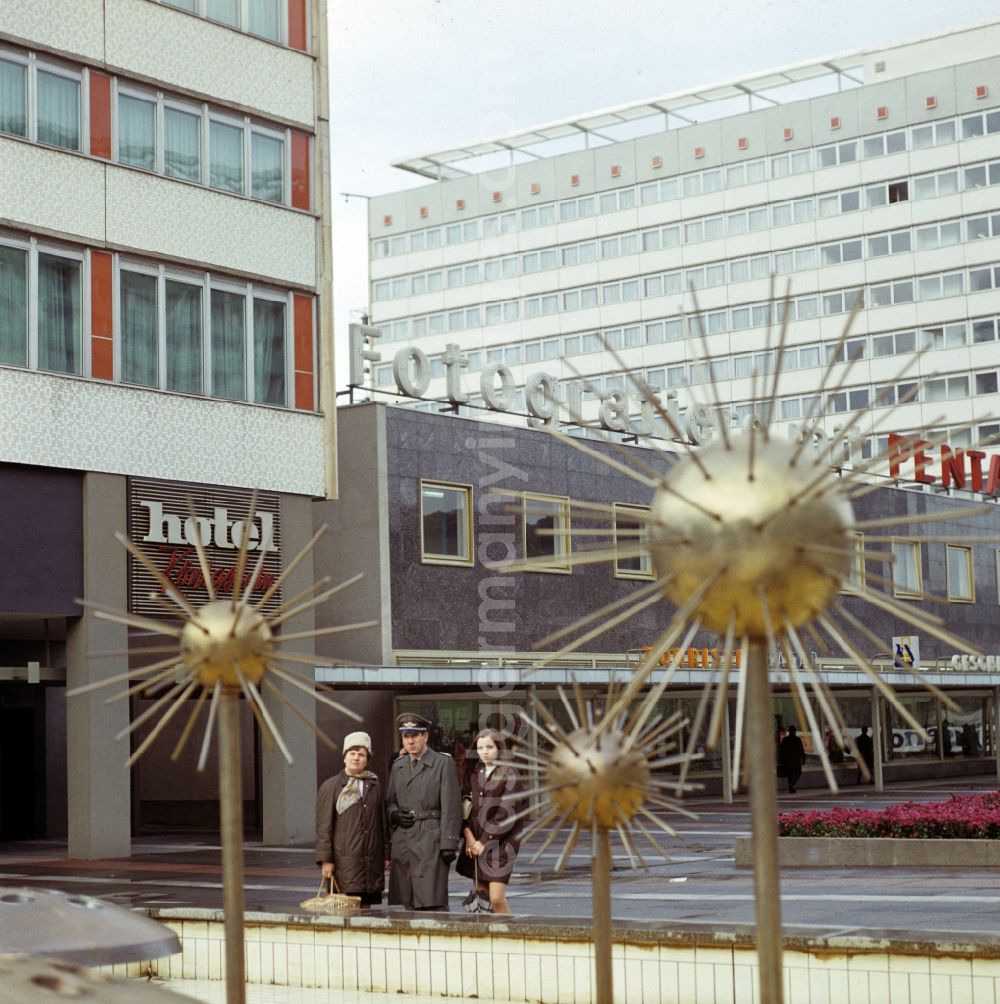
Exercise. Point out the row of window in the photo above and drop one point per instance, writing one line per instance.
(43, 103)
(193, 333)
(688, 185)
(879, 245)
(266, 18)
(446, 538)
(725, 319)
(810, 355)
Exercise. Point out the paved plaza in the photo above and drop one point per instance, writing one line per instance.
(699, 885)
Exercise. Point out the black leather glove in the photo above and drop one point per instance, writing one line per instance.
(448, 856)
(401, 817)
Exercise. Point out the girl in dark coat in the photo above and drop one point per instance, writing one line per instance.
(350, 825)
(492, 837)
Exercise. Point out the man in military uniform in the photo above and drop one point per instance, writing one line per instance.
(424, 807)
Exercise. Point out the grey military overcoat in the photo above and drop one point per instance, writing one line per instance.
(418, 878)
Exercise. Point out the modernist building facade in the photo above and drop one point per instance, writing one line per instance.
(661, 239)
(164, 336)
(436, 511)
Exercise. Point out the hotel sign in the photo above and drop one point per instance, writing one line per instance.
(160, 523)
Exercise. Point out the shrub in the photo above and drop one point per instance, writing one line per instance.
(967, 817)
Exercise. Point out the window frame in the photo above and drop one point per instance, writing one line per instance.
(904, 592)
(442, 559)
(243, 19)
(563, 550)
(645, 572)
(970, 569)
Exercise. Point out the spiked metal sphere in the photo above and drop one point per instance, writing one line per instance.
(756, 518)
(219, 636)
(599, 782)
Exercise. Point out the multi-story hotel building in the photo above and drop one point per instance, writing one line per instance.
(657, 229)
(164, 336)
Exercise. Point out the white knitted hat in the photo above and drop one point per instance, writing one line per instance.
(353, 739)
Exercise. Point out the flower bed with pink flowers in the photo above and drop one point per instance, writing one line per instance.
(962, 817)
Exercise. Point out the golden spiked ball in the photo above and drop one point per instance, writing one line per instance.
(220, 639)
(597, 781)
(765, 538)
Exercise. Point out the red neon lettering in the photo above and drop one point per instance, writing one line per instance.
(920, 463)
(952, 466)
(993, 478)
(976, 458)
(899, 450)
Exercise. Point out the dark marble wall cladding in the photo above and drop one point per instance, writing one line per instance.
(442, 607)
(41, 513)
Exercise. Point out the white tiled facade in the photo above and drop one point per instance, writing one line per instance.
(90, 202)
(882, 181)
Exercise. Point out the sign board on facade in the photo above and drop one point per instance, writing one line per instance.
(160, 523)
(906, 651)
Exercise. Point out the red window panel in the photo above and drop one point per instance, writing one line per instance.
(835, 122)
(574, 180)
(100, 115)
(298, 31)
(301, 185)
(305, 371)
(657, 162)
(882, 112)
(742, 143)
(981, 90)
(102, 365)
(789, 133)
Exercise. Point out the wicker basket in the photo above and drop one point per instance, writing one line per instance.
(332, 903)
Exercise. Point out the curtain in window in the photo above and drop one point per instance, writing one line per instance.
(138, 329)
(58, 111)
(265, 19)
(905, 576)
(226, 11)
(59, 314)
(183, 310)
(136, 132)
(267, 168)
(228, 340)
(13, 92)
(226, 163)
(13, 306)
(269, 352)
(181, 145)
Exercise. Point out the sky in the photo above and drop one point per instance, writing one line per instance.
(416, 76)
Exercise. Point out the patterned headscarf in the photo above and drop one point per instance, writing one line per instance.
(351, 792)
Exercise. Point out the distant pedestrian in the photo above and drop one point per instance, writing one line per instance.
(492, 833)
(866, 748)
(424, 807)
(834, 751)
(350, 825)
(791, 757)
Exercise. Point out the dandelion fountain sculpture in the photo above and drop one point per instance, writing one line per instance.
(753, 539)
(226, 649)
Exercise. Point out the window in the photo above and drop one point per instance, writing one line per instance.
(267, 166)
(631, 531)
(906, 578)
(13, 98)
(854, 581)
(60, 313)
(58, 99)
(137, 131)
(961, 584)
(138, 328)
(445, 524)
(181, 144)
(183, 319)
(13, 306)
(265, 18)
(546, 532)
(226, 156)
(269, 341)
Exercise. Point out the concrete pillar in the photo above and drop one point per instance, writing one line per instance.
(995, 722)
(877, 738)
(98, 785)
(289, 791)
(727, 754)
